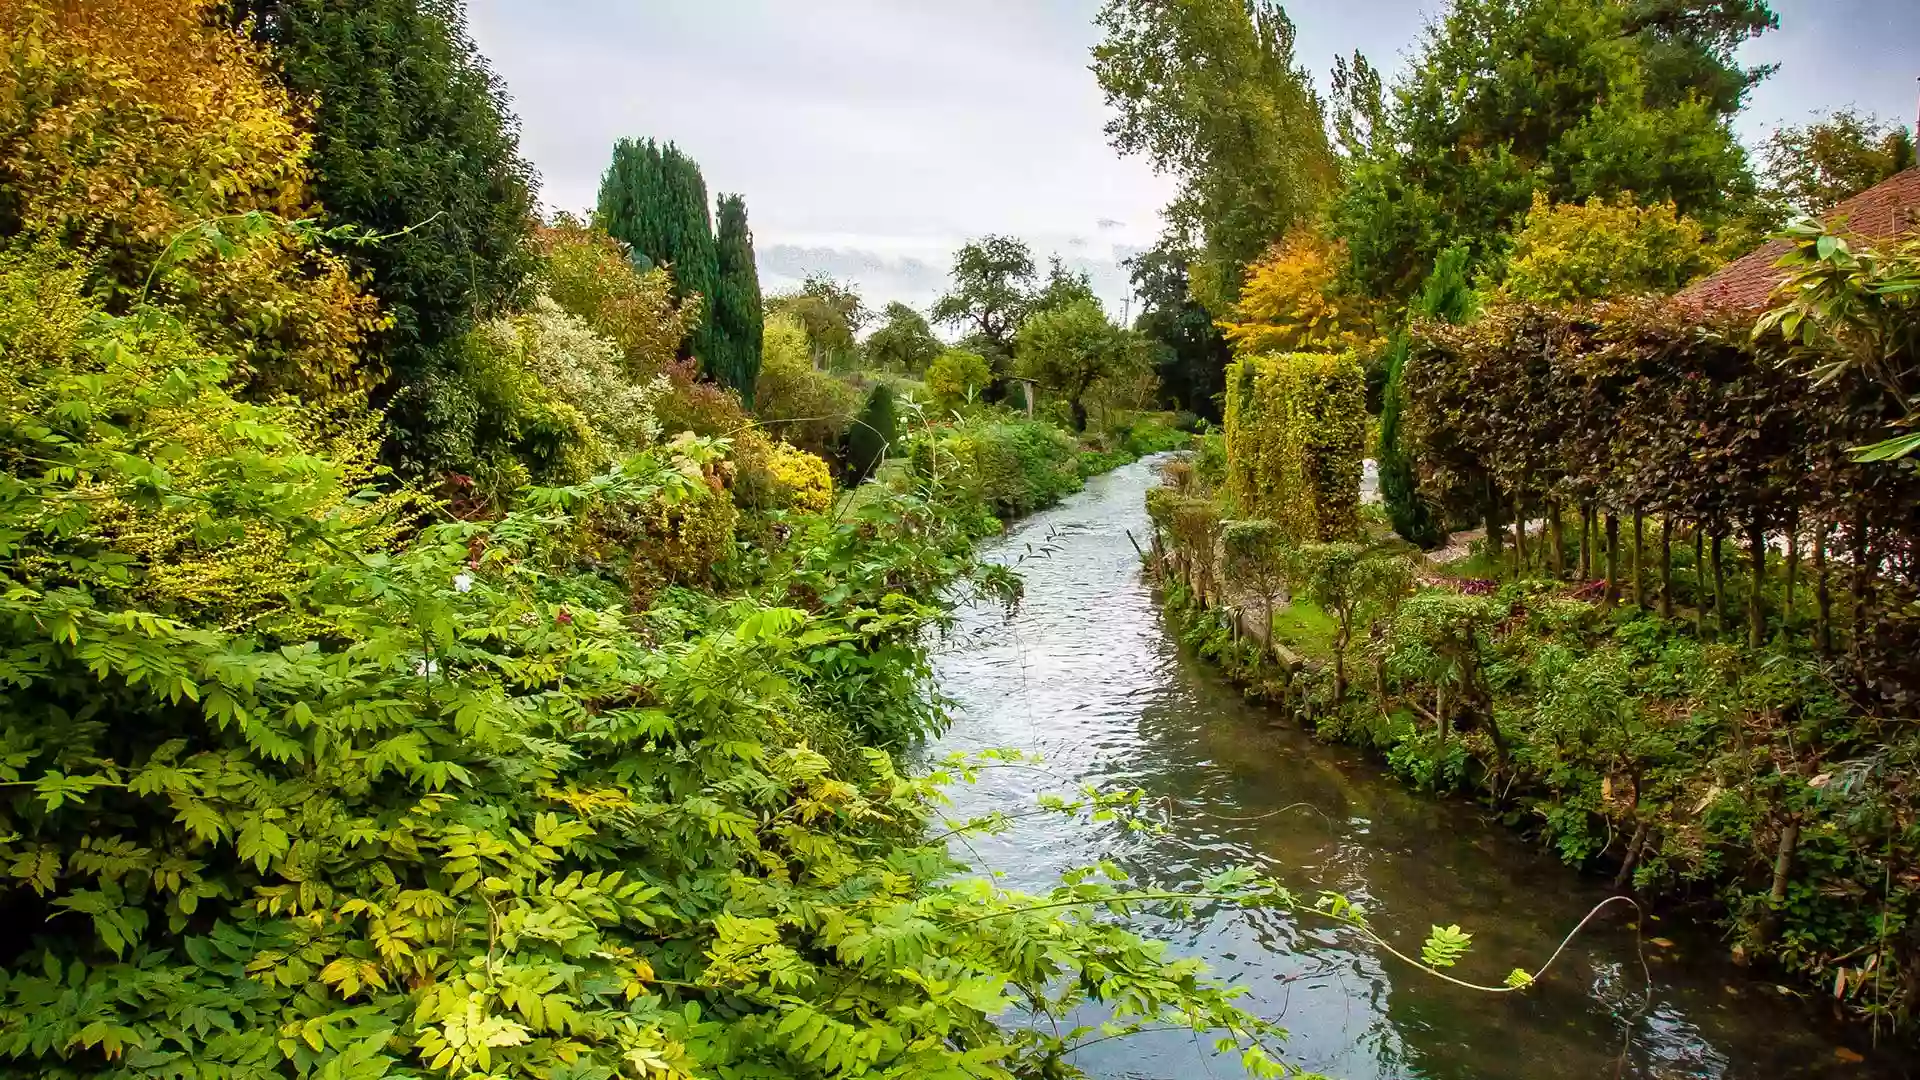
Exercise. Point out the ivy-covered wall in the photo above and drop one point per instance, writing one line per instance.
(1296, 433)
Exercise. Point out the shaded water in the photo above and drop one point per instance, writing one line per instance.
(1087, 675)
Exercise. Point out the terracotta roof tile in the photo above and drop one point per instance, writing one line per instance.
(1889, 208)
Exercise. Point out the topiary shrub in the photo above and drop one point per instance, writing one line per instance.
(1296, 431)
(871, 434)
(957, 377)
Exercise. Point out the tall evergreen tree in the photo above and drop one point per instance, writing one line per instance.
(654, 198)
(1445, 296)
(411, 131)
(737, 316)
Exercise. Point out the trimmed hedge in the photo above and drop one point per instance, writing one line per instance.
(1296, 432)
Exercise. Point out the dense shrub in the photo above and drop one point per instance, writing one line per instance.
(1601, 249)
(591, 275)
(808, 408)
(872, 433)
(956, 378)
(1296, 431)
(582, 368)
(1011, 467)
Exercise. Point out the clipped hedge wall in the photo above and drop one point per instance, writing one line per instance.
(1296, 433)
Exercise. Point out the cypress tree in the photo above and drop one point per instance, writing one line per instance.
(654, 198)
(1447, 296)
(737, 316)
(870, 434)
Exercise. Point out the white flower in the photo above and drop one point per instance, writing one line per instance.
(424, 668)
(463, 582)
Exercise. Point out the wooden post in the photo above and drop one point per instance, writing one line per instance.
(1756, 600)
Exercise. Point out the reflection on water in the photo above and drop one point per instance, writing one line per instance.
(1086, 675)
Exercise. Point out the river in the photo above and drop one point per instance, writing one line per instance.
(1086, 674)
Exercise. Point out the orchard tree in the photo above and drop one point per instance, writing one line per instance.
(1189, 355)
(993, 282)
(734, 359)
(654, 198)
(1069, 349)
(832, 314)
(1062, 287)
(903, 341)
(1208, 91)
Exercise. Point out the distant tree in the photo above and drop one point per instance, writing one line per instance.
(832, 315)
(993, 281)
(1208, 91)
(903, 341)
(1189, 355)
(1573, 98)
(1069, 349)
(1563, 254)
(654, 198)
(411, 131)
(737, 317)
(1062, 287)
(1810, 168)
(1359, 107)
(804, 406)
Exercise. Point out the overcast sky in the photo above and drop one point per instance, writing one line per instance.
(872, 137)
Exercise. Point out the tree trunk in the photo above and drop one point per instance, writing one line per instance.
(1520, 561)
(1613, 560)
(1756, 598)
(1340, 663)
(1782, 873)
(1666, 566)
(1699, 581)
(1639, 559)
(1558, 543)
(1822, 591)
(1793, 568)
(1862, 579)
(1633, 854)
(1490, 509)
(1719, 585)
(1586, 543)
(1440, 749)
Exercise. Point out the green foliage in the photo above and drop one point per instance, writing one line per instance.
(1575, 99)
(872, 434)
(1010, 467)
(1069, 349)
(737, 318)
(1444, 296)
(412, 135)
(591, 275)
(1808, 169)
(1296, 428)
(1569, 253)
(1445, 946)
(1208, 91)
(903, 342)
(807, 407)
(654, 199)
(957, 378)
(1189, 356)
(832, 315)
(993, 280)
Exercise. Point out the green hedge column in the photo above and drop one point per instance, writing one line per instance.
(1296, 433)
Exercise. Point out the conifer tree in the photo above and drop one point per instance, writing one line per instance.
(737, 316)
(654, 198)
(871, 433)
(1445, 296)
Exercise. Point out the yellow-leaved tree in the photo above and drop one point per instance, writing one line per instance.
(1571, 252)
(1293, 301)
(146, 135)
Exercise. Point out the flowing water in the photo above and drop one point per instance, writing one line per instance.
(1086, 674)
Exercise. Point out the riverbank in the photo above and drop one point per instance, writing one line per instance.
(1718, 784)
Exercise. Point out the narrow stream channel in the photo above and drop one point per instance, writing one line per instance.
(1086, 674)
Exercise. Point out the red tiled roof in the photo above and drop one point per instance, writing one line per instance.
(1888, 208)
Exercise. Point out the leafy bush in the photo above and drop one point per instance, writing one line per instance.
(808, 408)
(956, 378)
(1600, 249)
(1011, 467)
(578, 366)
(1296, 431)
(591, 275)
(872, 434)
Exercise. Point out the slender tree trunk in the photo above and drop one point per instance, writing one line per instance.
(1639, 559)
(1700, 581)
(1613, 560)
(1557, 540)
(1666, 566)
(1340, 663)
(1586, 543)
(1756, 597)
(1633, 854)
(1520, 533)
(1822, 591)
(1793, 568)
(1440, 749)
(1490, 510)
(1862, 579)
(1719, 585)
(1782, 873)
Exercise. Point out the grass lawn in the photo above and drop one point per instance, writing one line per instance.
(1305, 629)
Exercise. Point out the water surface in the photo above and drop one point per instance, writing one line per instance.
(1086, 674)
